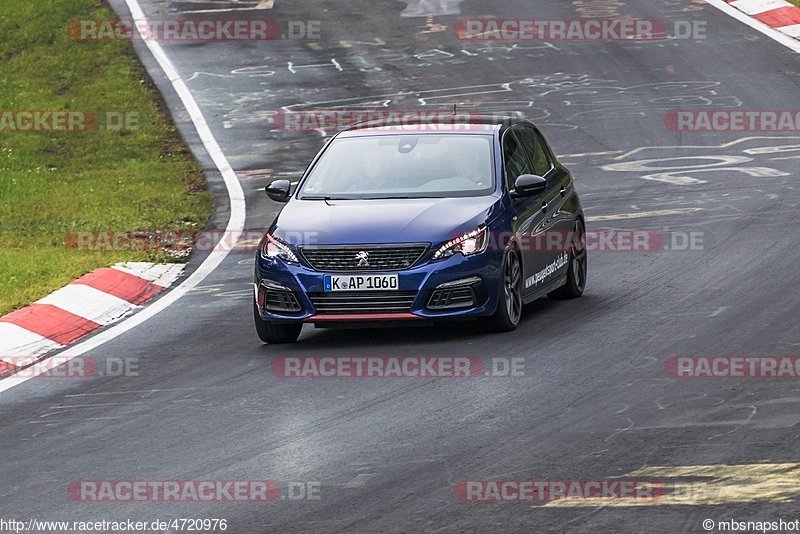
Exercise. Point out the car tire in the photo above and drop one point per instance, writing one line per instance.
(509, 303)
(576, 274)
(275, 333)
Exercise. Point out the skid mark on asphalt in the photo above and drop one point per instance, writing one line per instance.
(219, 290)
(359, 481)
(715, 414)
(737, 424)
(427, 8)
(676, 169)
(303, 431)
(548, 99)
(98, 405)
(751, 156)
(723, 145)
(146, 392)
(696, 313)
(589, 154)
(708, 485)
(239, 6)
(69, 420)
(661, 403)
(641, 214)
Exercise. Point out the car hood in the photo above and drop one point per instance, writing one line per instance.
(424, 220)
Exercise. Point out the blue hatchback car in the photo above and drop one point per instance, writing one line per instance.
(391, 224)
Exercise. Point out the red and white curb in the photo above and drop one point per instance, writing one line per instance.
(234, 227)
(777, 14)
(92, 301)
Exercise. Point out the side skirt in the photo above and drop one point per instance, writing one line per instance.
(544, 290)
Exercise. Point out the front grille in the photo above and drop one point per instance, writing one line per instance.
(333, 259)
(362, 302)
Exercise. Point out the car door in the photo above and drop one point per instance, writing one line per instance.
(529, 224)
(557, 222)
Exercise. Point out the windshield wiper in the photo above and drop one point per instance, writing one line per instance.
(402, 197)
(327, 198)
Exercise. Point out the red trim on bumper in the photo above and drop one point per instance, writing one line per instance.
(363, 317)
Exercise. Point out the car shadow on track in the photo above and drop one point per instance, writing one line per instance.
(444, 332)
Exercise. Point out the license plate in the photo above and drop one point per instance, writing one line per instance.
(361, 282)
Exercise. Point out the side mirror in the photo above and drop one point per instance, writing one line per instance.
(279, 190)
(528, 185)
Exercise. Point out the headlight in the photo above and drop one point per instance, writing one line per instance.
(272, 248)
(473, 242)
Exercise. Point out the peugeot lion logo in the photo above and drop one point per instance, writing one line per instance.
(363, 259)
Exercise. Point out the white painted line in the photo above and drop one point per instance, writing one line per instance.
(782, 38)
(793, 30)
(89, 303)
(160, 274)
(16, 341)
(220, 252)
(754, 7)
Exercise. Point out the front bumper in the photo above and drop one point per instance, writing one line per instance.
(295, 292)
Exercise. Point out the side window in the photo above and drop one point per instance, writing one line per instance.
(536, 151)
(515, 158)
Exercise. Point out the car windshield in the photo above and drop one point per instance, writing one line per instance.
(402, 166)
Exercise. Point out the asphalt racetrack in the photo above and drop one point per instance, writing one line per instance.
(595, 401)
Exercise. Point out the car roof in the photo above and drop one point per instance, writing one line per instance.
(432, 122)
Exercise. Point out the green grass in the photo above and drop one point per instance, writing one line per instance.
(54, 184)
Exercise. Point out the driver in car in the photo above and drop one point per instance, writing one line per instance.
(467, 165)
(373, 174)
